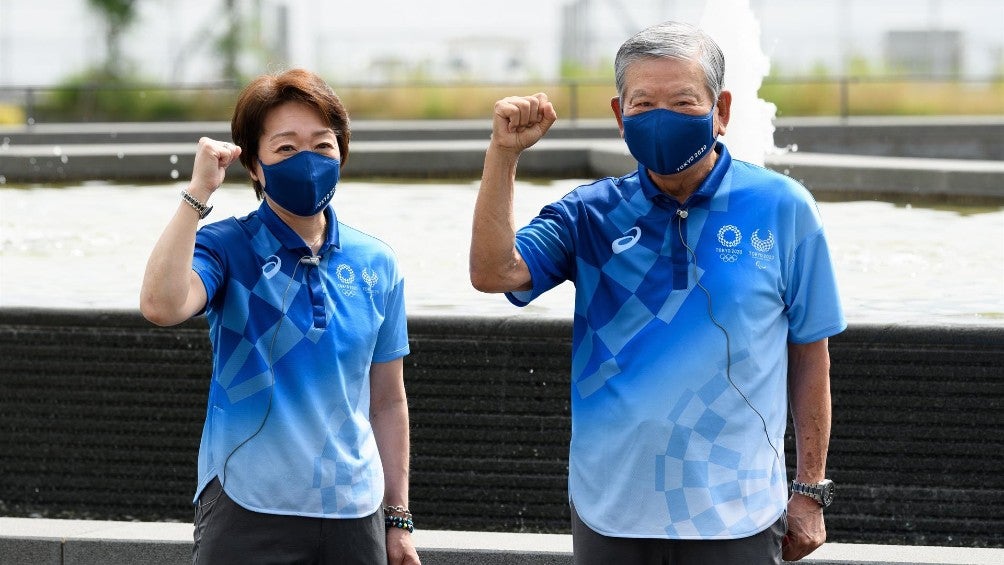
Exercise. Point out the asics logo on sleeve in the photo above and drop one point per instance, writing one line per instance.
(622, 244)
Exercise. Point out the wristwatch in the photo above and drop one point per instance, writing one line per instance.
(821, 492)
(202, 209)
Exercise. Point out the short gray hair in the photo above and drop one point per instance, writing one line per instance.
(676, 40)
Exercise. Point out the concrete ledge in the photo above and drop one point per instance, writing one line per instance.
(955, 179)
(938, 137)
(164, 162)
(31, 541)
(944, 137)
(856, 176)
(851, 176)
(28, 541)
(947, 158)
(364, 130)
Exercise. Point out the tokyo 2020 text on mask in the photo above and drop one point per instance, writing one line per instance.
(667, 142)
(303, 183)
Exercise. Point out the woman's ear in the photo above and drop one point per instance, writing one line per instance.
(256, 174)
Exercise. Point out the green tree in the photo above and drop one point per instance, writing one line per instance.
(228, 44)
(118, 15)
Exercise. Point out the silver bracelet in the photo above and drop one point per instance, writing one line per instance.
(405, 513)
(199, 207)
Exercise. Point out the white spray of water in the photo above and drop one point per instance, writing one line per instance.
(732, 24)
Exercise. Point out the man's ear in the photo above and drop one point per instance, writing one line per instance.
(615, 105)
(723, 110)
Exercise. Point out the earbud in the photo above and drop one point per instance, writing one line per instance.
(315, 260)
(682, 213)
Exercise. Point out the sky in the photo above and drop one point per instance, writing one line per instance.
(42, 42)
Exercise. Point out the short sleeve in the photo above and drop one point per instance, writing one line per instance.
(546, 246)
(811, 298)
(392, 337)
(208, 262)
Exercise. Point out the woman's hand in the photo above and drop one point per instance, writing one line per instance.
(211, 161)
(400, 548)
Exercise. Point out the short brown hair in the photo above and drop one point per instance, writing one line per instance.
(267, 92)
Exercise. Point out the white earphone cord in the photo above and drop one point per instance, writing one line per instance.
(271, 370)
(728, 345)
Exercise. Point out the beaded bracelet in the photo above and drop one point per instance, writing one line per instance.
(399, 522)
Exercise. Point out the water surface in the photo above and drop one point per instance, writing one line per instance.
(85, 246)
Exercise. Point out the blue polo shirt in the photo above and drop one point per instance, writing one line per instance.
(287, 425)
(663, 443)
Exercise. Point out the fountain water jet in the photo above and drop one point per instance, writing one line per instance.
(734, 27)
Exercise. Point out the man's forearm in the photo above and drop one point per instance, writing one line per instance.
(809, 390)
(493, 259)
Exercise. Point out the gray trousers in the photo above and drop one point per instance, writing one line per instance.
(591, 548)
(226, 532)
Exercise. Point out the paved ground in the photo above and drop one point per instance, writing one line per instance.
(30, 541)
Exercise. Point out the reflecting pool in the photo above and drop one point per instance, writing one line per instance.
(85, 246)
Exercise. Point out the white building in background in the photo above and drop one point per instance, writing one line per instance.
(487, 58)
(172, 41)
(925, 52)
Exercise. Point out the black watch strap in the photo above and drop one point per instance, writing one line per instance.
(194, 202)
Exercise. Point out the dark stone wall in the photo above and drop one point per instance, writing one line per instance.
(100, 417)
(917, 435)
(100, 414)
(490, 420)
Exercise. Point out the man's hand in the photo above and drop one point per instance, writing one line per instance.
(520, 121)
(400, 548)
(806, 529)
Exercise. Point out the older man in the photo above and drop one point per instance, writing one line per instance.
(704, 299)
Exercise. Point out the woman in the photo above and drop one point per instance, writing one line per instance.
(304, 453)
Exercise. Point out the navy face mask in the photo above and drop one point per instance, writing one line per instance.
(667, 142)
(303, 183)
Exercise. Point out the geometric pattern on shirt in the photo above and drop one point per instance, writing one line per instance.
(707, 492)
(269, 298)
(607, 341)
(262, 350)
(640, 306)
(342, 489)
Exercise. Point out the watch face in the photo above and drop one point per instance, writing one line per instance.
(827, 492)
